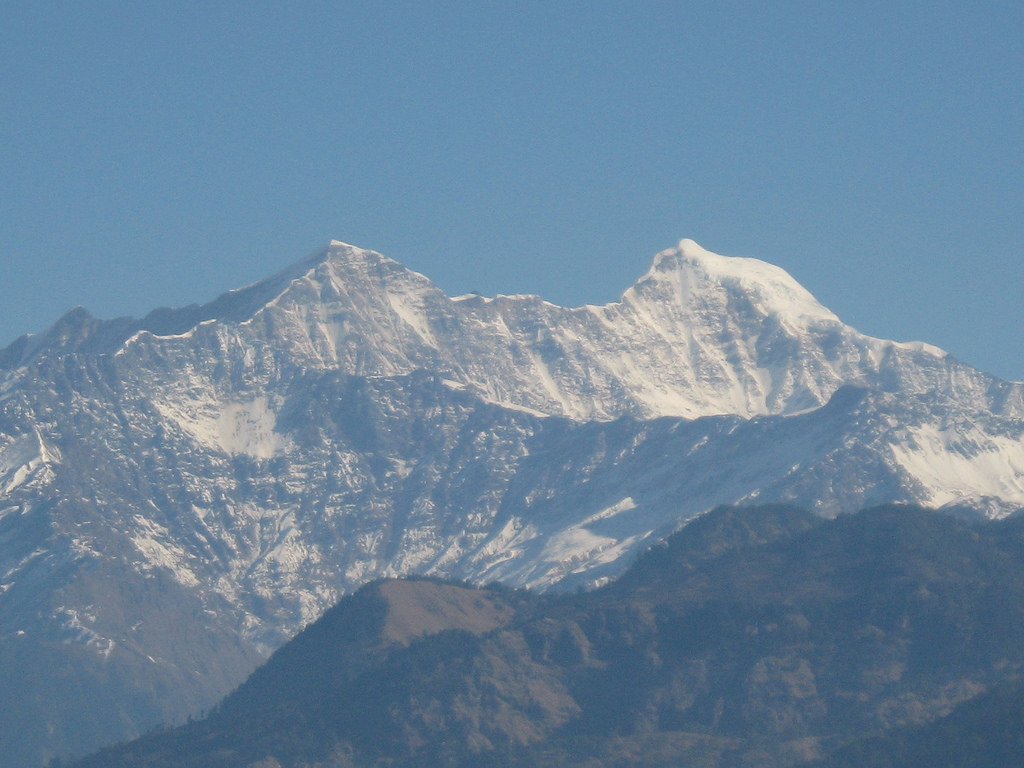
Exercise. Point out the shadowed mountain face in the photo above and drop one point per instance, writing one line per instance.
(181, 494)
(985, 732)
(760, 637)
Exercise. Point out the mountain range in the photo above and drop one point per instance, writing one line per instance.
(181, 494)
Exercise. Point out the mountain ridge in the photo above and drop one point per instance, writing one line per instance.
(743, 337)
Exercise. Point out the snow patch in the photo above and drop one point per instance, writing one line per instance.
(159, 550)
(506, 544)
(958, 465)
(615, 509)
(84, 634)
(577, 550)
(144, 334)
(241, 428)
(516, 407)
(921, 346)
(412, 314)
(772, 286)
(20, 457)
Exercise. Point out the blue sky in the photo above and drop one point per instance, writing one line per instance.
(160, 155)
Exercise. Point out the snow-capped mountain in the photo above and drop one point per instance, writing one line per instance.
(180, 494)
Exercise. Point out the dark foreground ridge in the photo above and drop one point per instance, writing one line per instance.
(753, 637)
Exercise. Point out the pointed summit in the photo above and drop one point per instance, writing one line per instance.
(696, 273)
(337, 249)
(335, 252)
(353, 260)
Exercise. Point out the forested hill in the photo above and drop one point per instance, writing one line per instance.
(753, 637)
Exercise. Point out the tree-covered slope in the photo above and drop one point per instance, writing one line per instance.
(763, 636)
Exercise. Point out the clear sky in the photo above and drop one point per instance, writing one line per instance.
(160, 153)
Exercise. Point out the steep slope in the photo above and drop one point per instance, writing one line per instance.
(753, 637)
(237, 467)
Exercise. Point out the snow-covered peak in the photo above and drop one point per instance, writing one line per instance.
(349, 264)
(336, 256)
(692, 273)
(699, 334)
(345, 253)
